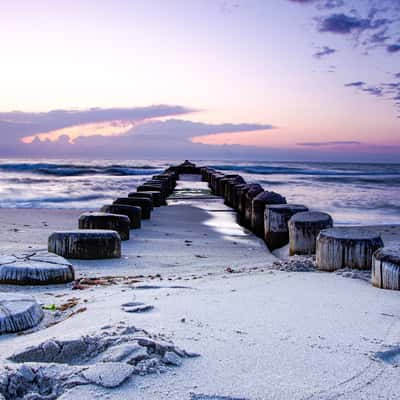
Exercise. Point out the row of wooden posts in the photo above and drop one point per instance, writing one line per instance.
(100, 233)
(267, 214)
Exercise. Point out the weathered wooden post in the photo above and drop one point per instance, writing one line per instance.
(155, 197)
(214, 179)
(18, 312)
(168, 179)
(161, 183)
(133, 213)
(258, 208)
(85, 244)
(107, 221)
(276, 219)
(225, 185)
(223, 182)
(154, 188)
(386, 268)
(236, 194)
(35, 268)
(217, 184)
(229, 189)
(254, 190)
(142, 195)
(304, 228)
(144, 204)
(350, 247)
(241, 192)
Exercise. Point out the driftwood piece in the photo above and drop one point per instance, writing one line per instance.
(276, 217)
(350, 247)
(86, 244)
(144, 204)
(133, 213)
(258, 208)
(35, 268)
(386, 268)
(304, 228)
(18, 312)
(108, 221)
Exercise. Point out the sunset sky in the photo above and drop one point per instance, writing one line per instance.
(270, 79)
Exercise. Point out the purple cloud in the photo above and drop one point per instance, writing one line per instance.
(373, 90)
(325, 51)
(343, 24)
(371, 23)
(331, 143)
(393, 48)
(303, 1)
(356, 84)
(321, 4)
(19, 124)
(149, 138)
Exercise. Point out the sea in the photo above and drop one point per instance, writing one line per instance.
(353, 193)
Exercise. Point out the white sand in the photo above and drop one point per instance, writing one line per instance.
(261, 335)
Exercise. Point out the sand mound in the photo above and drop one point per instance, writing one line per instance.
(107, 359)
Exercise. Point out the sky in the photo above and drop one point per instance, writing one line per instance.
(314, 80)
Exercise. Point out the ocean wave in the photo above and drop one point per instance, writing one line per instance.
(323, 170)
(77, 170)
(49, 200)
(375, 205)
(390, 179)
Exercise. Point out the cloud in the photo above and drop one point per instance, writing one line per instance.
(147, 138)
(378, 38)
(371, 23)
(324, 51)
(23, 123)
(373, 90)
(303, 1)
(385, 90)
(355, 84)
(331, 143)
(397, 75)
(343, 24)
(393, 48)
(321, 4)
(16, 125)
(227, 7)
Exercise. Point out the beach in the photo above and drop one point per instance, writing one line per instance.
(216, 290)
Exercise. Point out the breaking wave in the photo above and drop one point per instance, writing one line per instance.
(56, 169)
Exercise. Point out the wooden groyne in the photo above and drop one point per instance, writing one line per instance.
(262, 211)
